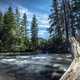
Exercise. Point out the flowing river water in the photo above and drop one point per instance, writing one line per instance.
(35, 67)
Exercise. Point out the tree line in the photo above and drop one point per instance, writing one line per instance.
(14, 34)
(64, 23)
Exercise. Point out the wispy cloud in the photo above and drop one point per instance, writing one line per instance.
(43, 23)
(42, 18)
(30, 7)
(43, 34)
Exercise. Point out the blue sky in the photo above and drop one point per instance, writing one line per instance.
(41, 8)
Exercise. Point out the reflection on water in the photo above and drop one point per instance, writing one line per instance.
(36, 67)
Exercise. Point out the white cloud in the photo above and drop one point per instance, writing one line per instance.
(41, 17)
(43, 34)
(42, 20)
(25, 10)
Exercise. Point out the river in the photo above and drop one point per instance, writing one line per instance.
(35, 67)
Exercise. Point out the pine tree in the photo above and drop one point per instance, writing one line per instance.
(56, 20)
(76, 15)
(23, 31)
(17, 17)
(25, 24)
(60, 22)
(20, 31)
(34, 32)
(73, 28)
(9, 30)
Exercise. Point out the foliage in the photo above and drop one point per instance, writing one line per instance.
(76, 14)
(34, 32)
(9, 33)
(56, 21)
(64, 20)
(12, 31)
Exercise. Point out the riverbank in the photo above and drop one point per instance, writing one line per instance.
(27, 53)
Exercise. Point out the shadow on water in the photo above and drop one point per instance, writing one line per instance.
(36, 67)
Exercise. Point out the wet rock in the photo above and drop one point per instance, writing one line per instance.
(4, 76)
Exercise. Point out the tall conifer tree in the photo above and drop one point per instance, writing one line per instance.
(34, 32)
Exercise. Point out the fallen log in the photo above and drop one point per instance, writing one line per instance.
(73, 72)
